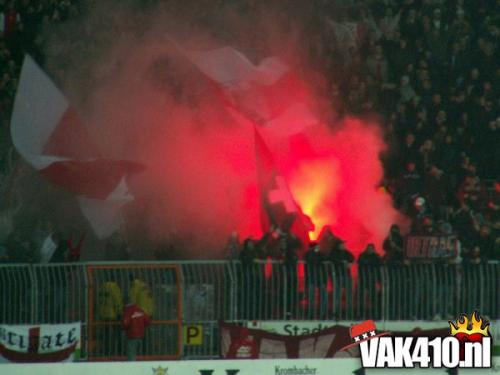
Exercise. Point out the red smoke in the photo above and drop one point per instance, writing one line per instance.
(200, 184)
(335, 177)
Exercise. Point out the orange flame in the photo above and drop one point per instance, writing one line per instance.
(474, 324)
(314, 183)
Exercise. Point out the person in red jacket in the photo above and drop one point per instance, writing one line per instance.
(135, 321)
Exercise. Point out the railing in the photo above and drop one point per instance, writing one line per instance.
(199, 294)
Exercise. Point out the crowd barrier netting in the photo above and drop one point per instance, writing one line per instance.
(188, 299)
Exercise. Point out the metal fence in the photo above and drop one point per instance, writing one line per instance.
(155, 287)
(196, 295)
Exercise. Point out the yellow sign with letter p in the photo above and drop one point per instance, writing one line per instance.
(193, 335)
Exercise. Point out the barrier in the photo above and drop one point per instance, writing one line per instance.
(199, 294)
(156, 288)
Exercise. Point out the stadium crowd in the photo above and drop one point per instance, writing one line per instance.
(430, 69)
(427, 67)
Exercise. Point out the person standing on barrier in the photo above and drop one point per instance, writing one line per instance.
(135, 321)
(342, 260)
(246, 280)
(290, 260)
(399, 275)
(393, 246)
(369, 276)
(316, 278)
(340, 255)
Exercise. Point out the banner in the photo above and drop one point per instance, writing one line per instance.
(245, 343)
(306, 327)
(40, 343)
(431, 246)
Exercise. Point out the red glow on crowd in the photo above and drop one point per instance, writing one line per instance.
(335, 177)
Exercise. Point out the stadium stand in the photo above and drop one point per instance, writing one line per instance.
(430, 69)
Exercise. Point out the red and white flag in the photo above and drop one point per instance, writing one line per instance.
(269, 94)
(278, 206)
(49, 135)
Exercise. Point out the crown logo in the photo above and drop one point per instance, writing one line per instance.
(470, 326)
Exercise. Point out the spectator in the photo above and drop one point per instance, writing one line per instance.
(247, 279)
(369, 257)
(135, 320)
(342, 259)
(393, 246)
(316, 279)
(290, 260)
(410, 185)
(369, 277)
(340, 255)
(248, 253)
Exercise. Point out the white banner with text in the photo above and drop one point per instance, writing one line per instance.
(40, 343)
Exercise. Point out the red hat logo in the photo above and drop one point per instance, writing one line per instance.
(363, 332)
